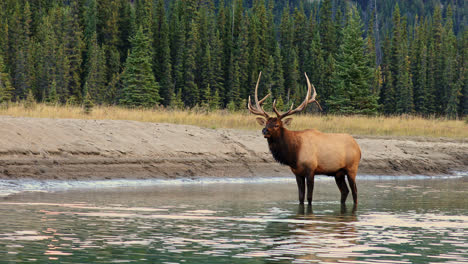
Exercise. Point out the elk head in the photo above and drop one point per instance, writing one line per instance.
(273, 125)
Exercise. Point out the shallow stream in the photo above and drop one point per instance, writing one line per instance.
(398, 220)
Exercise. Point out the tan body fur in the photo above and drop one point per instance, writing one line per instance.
(326, 153)
(311, 152)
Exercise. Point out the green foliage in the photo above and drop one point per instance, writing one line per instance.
(209, 53)
(6, 89)
(53, 98)
(140, 86)
(30, 102)
(87, 103)
(353, 75)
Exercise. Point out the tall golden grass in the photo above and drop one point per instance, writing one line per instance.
(405, 125)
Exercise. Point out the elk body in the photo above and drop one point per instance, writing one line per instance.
(309, 152)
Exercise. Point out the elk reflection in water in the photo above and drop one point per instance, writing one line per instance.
(325, 236)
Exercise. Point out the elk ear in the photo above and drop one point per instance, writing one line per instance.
(261, 121)
(287, 121)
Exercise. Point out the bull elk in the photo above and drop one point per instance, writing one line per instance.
(309, 152)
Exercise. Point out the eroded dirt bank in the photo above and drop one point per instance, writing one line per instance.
(105, 149)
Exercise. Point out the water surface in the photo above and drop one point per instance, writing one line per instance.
(398, 220)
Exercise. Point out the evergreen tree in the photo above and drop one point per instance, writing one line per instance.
(52, 97)
(162, 60)
(452, 79)
(6, 89)
(438, 62)
(327, 28)
(419, 69)
(74, 48)
(191, 90)
(464, 72)
(277, 87)
(140, 87)
(387, 93)
(96, 77)
(353, 73)
(87, 103)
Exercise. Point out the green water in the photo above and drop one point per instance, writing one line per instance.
(397, 221)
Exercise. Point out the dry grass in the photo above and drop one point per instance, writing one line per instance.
(357, 125)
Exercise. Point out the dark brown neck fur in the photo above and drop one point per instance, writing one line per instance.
(285, 147)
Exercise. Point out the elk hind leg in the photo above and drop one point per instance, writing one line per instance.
(352, 184)
(310, 187)
(341, 183)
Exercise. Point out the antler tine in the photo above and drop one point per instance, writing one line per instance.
(274, 108)
(303, 104)
(258, 110)
(313, 97)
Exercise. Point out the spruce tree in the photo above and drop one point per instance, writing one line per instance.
(438, 62)
(96, 76)
(6, 89)
(191, 90)
(327, 28)
(464, 72)
(74, 48)
(451, 76)
(139, 85)
(162, 60)
(351, 93)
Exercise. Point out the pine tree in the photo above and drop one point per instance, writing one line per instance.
(139, 85)
(315, 67)
(277, 87)
(191, 89)
(162, 60)
(438, 60)
(52, 97)
(30, 102)
(387, 93)
(419, 68)
(452, 78)
(327, 28)
(87, 102)
(464, 72)
(74, 48)
(353, 73)
(177, 46)
(126, 25)
(95, 77)
(177, 102)
(6, 89)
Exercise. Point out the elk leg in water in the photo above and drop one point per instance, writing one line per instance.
(352, 184)
(310, 187)
(301, 187)
(340, 181)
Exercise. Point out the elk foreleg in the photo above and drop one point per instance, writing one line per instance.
(300, 179)
(341, 183)
(310, 187)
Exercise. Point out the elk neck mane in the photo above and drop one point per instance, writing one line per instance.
(285, 147)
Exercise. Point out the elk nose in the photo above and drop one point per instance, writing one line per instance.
(264, 131)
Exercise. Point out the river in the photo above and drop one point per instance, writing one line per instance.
(398, 220)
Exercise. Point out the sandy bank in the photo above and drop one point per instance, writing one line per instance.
(104, 149)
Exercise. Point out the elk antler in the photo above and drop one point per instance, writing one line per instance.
(302, 106)
(258, 110)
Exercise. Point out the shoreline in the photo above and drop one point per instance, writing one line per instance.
(74, 149)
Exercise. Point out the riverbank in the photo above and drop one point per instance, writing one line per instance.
(43, 148)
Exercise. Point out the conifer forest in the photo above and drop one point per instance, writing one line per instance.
(364, 56)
